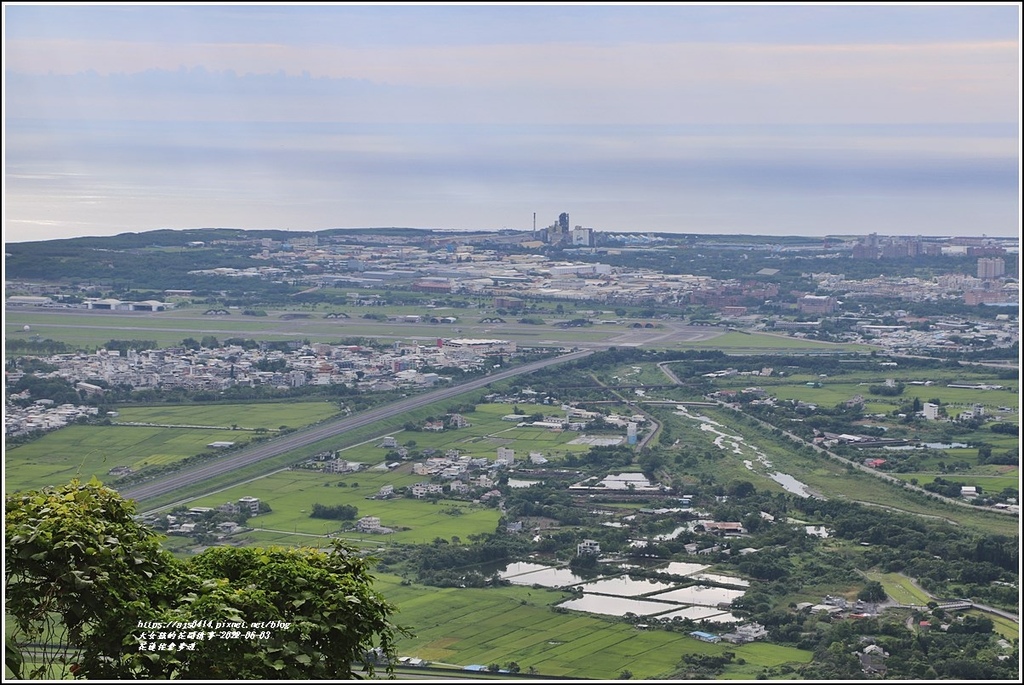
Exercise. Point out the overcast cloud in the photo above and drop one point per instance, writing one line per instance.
(741, 119)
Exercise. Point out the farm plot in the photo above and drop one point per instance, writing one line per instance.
(480, 439)
(987, 484)
(86, 451)
(821, 474)
(900, 588)
(291, 495)
(466, 626)
(270, 416)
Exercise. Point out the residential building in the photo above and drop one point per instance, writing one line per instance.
(991, 267)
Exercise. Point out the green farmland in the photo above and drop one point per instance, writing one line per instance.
(517, 624)
(292, 493)
(482, 438)
(900, 588)
(269, 416)
(86, 451)
(821, 474)
(93, 450)
(832, 391)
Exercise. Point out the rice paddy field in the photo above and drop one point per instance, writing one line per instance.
(482, 438)
(269, 416)
(829, 391)
(83, 451)
(86, 451)
(292, 493)
(483, 626)
(819, 473)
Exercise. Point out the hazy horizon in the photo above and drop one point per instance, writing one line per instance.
(711, 119)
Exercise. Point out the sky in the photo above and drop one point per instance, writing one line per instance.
(784, 119)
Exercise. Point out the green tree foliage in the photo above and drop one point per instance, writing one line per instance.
(123, 346)
(84, 578)
(337, 512)
(46, 346)
(60, 390)
(887, 390)
(79, 571)
(872, 592)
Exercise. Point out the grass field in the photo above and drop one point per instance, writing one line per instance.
(486, 433)
(86, 451)
(1004, 626)
(270, 415)
(826, 476)
(842, 388)
(291, 495)
(988, 484)
(900, 588)
(498, 625)
(734, 342)
(92, 329)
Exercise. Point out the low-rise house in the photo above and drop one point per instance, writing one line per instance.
(746, 633)
(705, 637)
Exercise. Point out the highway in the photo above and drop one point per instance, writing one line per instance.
(308, 436)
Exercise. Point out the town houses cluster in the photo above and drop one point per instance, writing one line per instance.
(288, 365)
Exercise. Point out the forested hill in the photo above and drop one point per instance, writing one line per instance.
(154, 259)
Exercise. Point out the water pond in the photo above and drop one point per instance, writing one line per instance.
(674, 534)
(725, 580)
(694, 613)
(548, 577)
(514, 483)
(791, 484)
(518, 568)
(682, 568)
(615, 606)
(701, 595)
(624, 586)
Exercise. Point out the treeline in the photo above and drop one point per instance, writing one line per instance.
(602, 458)
(122, 346)
(38, 347)
(445, 564)
(894, 390)
(334, 512)
(148, 269)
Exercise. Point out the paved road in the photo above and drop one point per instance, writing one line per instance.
(308, 436)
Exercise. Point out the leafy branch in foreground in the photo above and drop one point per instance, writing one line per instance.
(90, 592)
